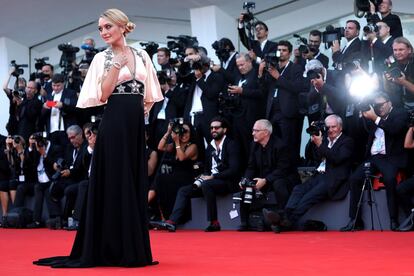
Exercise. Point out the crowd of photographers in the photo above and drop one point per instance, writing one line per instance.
(234, 126)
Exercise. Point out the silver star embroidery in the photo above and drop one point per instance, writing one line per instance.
(135, 87)
(121, 89)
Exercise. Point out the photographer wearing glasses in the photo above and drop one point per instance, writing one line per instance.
(270, 168)
(386, 127)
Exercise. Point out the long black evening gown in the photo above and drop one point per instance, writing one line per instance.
(114, 227)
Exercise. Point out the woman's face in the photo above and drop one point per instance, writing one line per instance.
(110, 32)
(185, 137)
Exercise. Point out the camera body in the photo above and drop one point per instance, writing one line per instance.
(316, 127)
(272, 59)
(68, 56)
(17, 68)
(370, 28)
(248, 194)
(248, 15)
(163, 77)
(150, 47)
(331, 34)
(61, 165)
(19, 94)
(177, 126)
(198, 182)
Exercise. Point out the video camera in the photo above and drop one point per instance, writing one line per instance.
(331, 34)
(179, 43)
(177, 126)
(248, 15)
(68, 56)
(272, 59)
(150, 47)
(316, 128)
(17, 68)
(362, 7)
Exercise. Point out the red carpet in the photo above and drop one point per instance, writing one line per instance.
(228, 253)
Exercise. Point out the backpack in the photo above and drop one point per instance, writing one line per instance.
(19, 217)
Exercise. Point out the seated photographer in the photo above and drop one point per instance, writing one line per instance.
(179, 155)
(386, 127)
(334, 149)
(69, 171)
(221, 173)
(282, 81)
(405, 190)
(270, 167)
(59, 111)
(226, 53)
(399, 77)
(352, 49)
(384, 14)
(378, 46)
(310, 50)
(260, 47)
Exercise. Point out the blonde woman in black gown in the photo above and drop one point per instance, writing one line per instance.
(113, 228)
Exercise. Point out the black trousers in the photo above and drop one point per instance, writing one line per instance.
(379, 163)
(23, 190)
(59, 138)
(306, 195)
(53, 198)
(405, 191)
(81, 199)
(209, 190)
(39, 193)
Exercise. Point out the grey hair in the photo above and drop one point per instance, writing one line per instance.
(266, 124)
(337, 118)
(246, 56)
(74, 129)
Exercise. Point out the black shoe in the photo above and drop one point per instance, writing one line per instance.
(35, 224)
(394, 225)
(275, 228)
(408, 224)
(4, 222)
(163, 225)
(271, 217)
(214, 227)
(353, 225)
(243, 228)
(54, 223)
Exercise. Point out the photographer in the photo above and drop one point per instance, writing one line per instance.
(59, 111)
(399, 78)
(180, 154)
(163, 58)
(270, 166)
(257, 48)
(334, 150)
(69, 171)
(226, 53)
(384, 14)
(378, 46)
(352, 49)
(47, 71)
(220, 177)
(310, 50)
(386, 127)
(283, 81)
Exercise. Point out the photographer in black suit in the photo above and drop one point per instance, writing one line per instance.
(352, 50)
(270, 166)
(386, 127)
(220, 177)
(335, 154)
(283, 82)
(384, 14)
(226, 53)
(257, 48)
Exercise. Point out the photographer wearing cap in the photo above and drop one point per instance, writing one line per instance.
(399, 77)
(384, 14)
(386, 127)
(270, 166)
(334, 150)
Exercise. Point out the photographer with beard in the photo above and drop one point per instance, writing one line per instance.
(226, 53)
(386, 127)
(221, 172)
(311, 50)
(47, 71)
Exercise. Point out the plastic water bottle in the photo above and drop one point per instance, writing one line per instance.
(70, 222)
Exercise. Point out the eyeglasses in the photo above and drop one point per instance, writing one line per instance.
(72, 137)
(328, 127)
(258, 130)
(215, 127)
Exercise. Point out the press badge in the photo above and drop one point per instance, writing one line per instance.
(21, 178)
(349, 110)
(275, 94)
(233, 213)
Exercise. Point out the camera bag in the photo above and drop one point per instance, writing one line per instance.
(19, 217)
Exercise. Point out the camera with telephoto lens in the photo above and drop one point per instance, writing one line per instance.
(198, 182)
(370, 28)
(248, 194)
(272, 59)
(361, 7)
(316, 128)
(17, 68)
(19, 94)
(177, 126)
(150, 47)
(17, 139)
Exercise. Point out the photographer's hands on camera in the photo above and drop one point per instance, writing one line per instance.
(260, 183)
(270, 69)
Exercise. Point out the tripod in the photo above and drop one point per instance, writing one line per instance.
(371, 197)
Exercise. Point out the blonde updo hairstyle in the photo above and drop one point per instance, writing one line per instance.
(119, 18)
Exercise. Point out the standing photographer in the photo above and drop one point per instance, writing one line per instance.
(226, 53)
(384, 14)
(386, 127)
(352, 49)
(270, 166)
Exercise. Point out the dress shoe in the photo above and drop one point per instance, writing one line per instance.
(4, 222)
(54, 223)
(35, 224)
(170, 226)
(275, 228)
(353, 225)
(213, 227)
(271, 217)
(407, 225)
(243, 228)
(394, 225)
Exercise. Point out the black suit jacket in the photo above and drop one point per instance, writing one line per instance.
(338, 165)
(52, 156)
(231, 73)
(270, 46)
(393, 21)
(323, 59)
(352, 52)
(272, 162)
(171, 111)
(29, 115)
(230, 168)
(211, 87)
(289, 85)
(380, 51)
(68, 110)
(77, 170)
(395, 128)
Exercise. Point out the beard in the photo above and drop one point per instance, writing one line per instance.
(217, 136)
